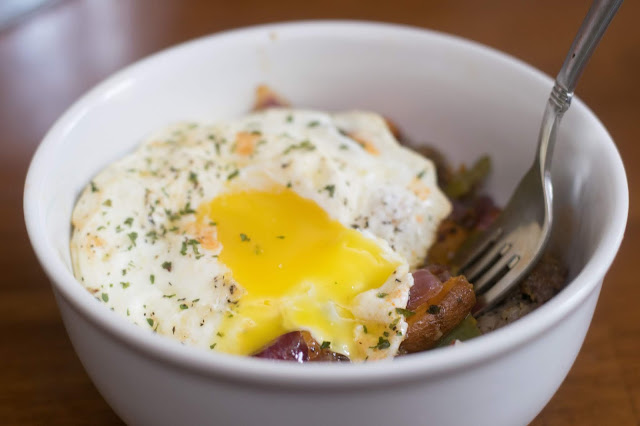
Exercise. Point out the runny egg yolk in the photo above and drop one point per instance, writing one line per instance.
(299, 268)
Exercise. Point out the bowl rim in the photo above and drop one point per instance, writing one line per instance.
(316, 377)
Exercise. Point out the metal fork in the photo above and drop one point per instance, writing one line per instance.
(496, 260)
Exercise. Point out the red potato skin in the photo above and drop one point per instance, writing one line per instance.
(288, 347)
(299, 346)
(429, 323)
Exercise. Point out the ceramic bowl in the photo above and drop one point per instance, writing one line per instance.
(463, 97)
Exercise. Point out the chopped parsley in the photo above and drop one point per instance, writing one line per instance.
(125, 284)
(183, 307)
(421, 174)
(289, 118)
(325, 345)
(105, 297)
(187, 210)
(167, 266)
(330, 189)
(153, 236)
(280, 237)
(407, 313)
(94, 188)
(170, 215)
(194, 246)
(150, 322)
(193, 178)
(132, 236)
(244, 238)
(107, 202)
(382, 295)
(212, 346)
(314, 123)
(382, 344)
(169, 296)
(233, 174)
(152, 278)
(364, 328)
(303, 146)
(128, 221)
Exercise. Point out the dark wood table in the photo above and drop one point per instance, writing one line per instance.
(50, 57)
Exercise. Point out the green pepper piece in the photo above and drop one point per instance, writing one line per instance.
(463, 182)
(466, 330)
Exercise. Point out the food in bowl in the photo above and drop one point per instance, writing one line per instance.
(287, 234)
(445, 90)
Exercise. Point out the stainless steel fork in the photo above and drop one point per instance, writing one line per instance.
(499, 258)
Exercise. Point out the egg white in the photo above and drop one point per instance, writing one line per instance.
(131, 222)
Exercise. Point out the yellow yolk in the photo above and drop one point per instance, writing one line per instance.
(300, 269)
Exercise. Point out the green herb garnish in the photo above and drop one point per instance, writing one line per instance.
(193, 178)
(407, 313)
(153, 236)
(187, 210)
(233, 174)
(132, 236)
(330, 189)
(382, 344)
(303, 146)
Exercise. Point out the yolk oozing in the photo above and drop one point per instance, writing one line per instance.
(300, 269)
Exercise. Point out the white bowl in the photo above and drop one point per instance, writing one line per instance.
(466, 98)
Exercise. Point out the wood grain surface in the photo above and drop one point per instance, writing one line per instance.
(55, 54)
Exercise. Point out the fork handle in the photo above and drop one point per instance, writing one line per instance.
(593, 27)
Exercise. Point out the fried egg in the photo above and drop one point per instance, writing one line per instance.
(229, 235)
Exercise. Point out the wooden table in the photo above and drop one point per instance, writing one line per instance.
(53, 55)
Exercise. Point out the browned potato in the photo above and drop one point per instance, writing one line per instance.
(448, 240)
(439, 315)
